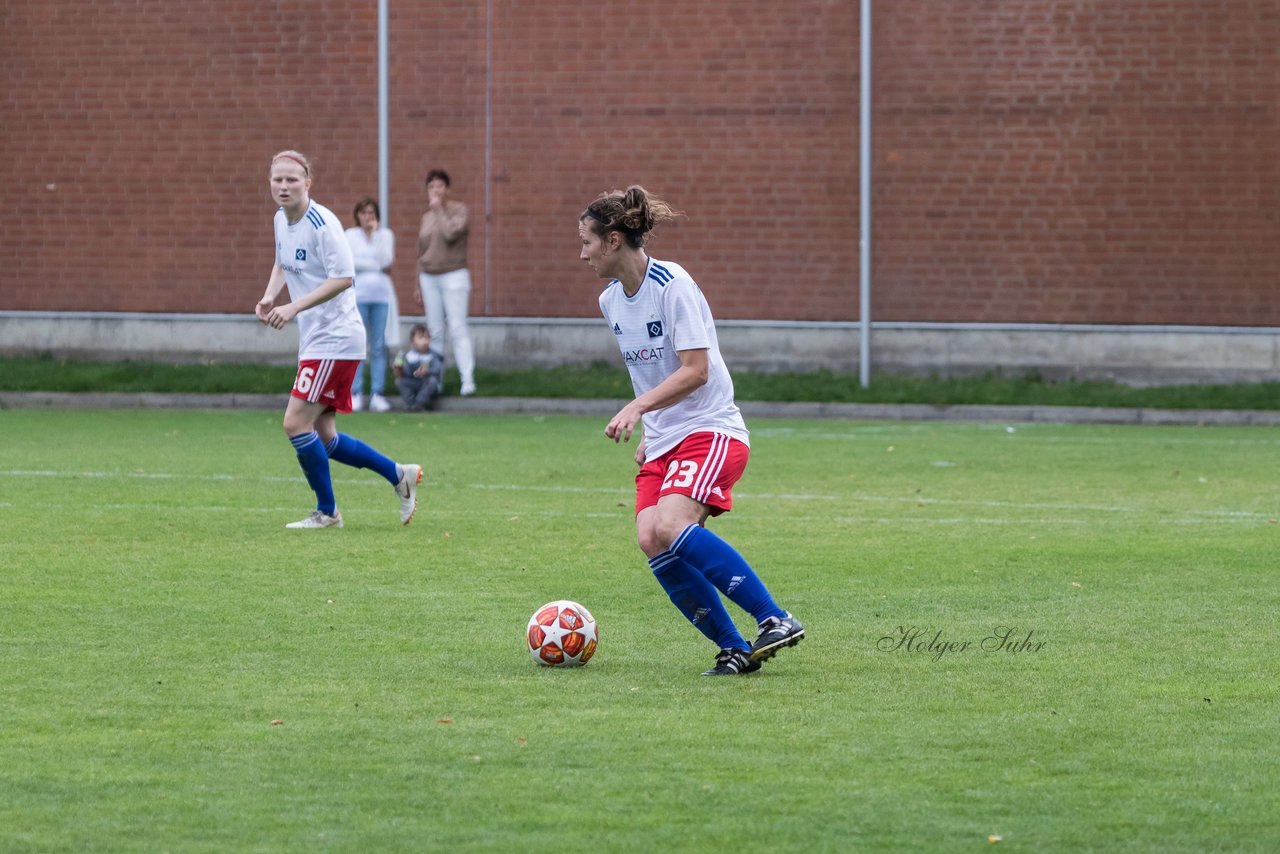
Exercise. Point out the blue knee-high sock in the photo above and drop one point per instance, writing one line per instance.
(694, 596)
(315, 465)
(727, 570)
(352, 452)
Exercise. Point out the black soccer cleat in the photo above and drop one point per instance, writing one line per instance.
(732, 662)
(776, 633)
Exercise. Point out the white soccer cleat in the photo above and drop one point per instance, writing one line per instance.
(357, 402)
(407, 492)
(378, 403)
(319, 520)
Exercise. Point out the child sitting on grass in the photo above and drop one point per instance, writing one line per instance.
(419, 371)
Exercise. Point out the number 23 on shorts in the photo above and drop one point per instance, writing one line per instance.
(680, 474)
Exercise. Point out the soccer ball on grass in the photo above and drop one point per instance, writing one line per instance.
(561, 634)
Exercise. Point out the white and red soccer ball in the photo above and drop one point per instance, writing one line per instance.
(561, 634)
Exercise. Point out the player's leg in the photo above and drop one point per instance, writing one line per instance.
(698, 481)
(688, 589)
(342, 448)
(726, 569)
(405, 478)
(299, 425)
(703, 470)
(350, 451)
(730, 573)
(691, 593)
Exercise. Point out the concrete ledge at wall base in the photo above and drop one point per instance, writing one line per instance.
(1139, 355)
(604, 409)
(137, 400)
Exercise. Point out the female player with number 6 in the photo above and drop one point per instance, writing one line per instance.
(314, 259)
(695, 442)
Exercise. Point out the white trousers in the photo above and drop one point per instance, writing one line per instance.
(445, 298)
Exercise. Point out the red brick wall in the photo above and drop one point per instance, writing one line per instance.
(1078, 161)
(1035, 160)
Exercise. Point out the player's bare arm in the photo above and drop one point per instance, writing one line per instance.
(684, 381)
(280, 315)
(274, 283)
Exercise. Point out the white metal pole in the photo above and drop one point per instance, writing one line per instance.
(864, 216)
(383, 158)
(488, 147)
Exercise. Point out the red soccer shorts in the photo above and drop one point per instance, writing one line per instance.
(326, 381)
(705, 466)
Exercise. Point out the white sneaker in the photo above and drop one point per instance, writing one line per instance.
(407, 492)
(319, 520)
(357, 402)
(378, 403)
(468, 389)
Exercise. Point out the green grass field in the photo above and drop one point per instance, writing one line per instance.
(605, 380)
(180, 673)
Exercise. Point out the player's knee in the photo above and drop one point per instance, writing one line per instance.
(293, 425)
(649, 541)
(662, 533)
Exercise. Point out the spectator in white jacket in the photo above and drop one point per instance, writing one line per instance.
(374, 251)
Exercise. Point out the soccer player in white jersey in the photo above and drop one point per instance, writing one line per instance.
(695, 444)
(314, 259)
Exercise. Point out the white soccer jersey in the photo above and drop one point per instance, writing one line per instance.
(669, 314)
(310, 251)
